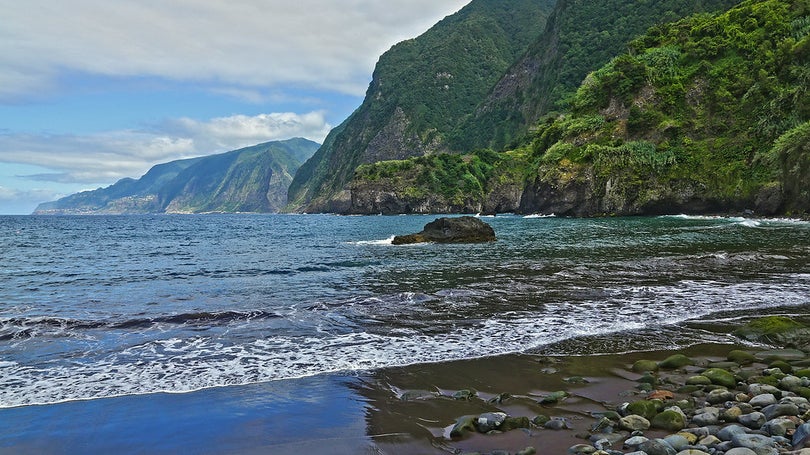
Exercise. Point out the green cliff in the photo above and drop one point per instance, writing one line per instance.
(580, 36)
(707, 114)
(253, 179)
(420, 91)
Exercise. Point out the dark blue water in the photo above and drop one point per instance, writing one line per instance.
(95, 307)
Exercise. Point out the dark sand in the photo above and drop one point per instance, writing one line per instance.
(418, 426)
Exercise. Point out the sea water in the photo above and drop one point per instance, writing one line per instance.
(122, 306)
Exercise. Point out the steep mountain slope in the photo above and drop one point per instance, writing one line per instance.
(253, 179)
(710, 114)
(580, 36)
(421, 89)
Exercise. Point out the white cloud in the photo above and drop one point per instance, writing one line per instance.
(109, 156)
(23, 202)
(255, 43)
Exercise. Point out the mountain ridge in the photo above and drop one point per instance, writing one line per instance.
(421, 88)
(250, 179)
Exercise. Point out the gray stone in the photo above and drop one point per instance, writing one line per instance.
(635, 441)
(719, 396)
(603, 444)
(692, 452)
(708, 416)
(709, 440)
(418, 395)
(557, 423)
(634, 422)
(779, 427)
(657, 447)
(801, 402)
(677, 442)
(761, 445)
(741, 451)
(762, 400)
(783, 354)
(790, 382)
(780, 409)
(759, 389)
(489, 421)
(801, 436)
(465, 229)
(582, 449)
(610, 438)
(755, 420)
(728, 432)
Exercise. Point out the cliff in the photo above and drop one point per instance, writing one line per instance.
(420, 91)
(708, 114)
(253, 179)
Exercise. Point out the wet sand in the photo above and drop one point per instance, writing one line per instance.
(419, 426)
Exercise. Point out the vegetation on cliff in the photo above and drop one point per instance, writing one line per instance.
(580, 37)
(421, 89)
(708, 110)
(706, 114)
(253, 179)
(441, 183)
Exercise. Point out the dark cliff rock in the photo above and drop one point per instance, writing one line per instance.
(465, 229)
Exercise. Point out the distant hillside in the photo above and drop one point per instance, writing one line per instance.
(421, 89)
(581, 36)
(253, 179)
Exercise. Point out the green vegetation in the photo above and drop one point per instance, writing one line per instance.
(719, 101)
(709, 113)
(457, 180)
(580, 37)
(420, 90)
(253, 179)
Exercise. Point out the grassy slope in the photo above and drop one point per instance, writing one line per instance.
(581, 35)
(420, 90)
(711, 110)
(699, 103)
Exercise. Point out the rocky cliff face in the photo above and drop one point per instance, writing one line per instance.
(420, 91)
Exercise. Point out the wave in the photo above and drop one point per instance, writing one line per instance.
(540, 215)
(387, 241)
(30, 327)
(179, 364)
(742, 221)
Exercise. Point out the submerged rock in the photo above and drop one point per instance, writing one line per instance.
(465, 229)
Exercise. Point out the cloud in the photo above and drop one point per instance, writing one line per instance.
(236, 43)
(14, 201)
(109, 156)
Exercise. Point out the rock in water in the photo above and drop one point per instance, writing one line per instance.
(465, 229)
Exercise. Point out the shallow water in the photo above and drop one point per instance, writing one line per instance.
(94, 307)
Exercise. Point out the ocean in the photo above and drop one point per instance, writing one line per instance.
(222, 323)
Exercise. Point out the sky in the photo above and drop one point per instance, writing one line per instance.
(92, 91)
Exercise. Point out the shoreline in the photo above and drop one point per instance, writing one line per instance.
(396, 410)
(580, 390)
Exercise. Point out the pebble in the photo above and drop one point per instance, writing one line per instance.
(713, 415)
(634, 422)
(754, 420)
